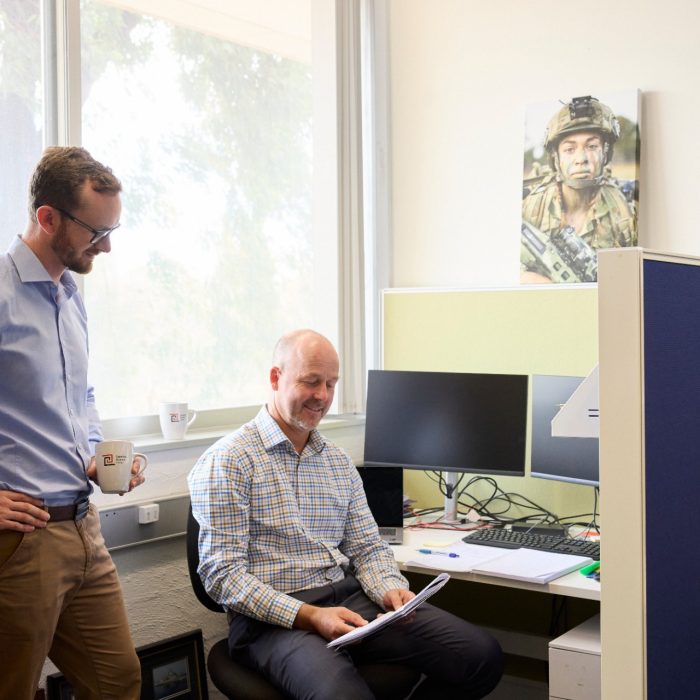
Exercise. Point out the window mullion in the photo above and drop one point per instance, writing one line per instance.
(66, 74)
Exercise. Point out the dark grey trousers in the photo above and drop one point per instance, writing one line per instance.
(457, 657)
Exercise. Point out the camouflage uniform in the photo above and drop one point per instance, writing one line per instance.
(610, 222)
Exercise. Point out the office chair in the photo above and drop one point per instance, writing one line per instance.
(239, 682)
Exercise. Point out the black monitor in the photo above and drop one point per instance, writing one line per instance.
(384, 490)
(569, 459)
(447, 421)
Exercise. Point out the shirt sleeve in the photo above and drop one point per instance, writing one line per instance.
(372, 559)
(220, 491)
(94, 424)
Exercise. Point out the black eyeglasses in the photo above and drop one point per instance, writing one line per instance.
(97, 233)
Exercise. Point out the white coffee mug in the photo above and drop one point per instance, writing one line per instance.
(114, 459)
(175, 419)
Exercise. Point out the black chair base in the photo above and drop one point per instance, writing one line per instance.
(235, 680)
(238, 682)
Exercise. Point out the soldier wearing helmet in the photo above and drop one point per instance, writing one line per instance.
(578, 196)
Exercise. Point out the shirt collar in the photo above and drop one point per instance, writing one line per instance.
(271, 434)
(30, 269)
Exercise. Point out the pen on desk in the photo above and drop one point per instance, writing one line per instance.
(432, 551)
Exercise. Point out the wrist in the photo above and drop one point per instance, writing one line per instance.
(304, 618)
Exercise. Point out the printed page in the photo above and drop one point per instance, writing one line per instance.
(467, 557)
(388, 618)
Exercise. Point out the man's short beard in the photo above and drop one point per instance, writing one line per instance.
(302, 424)
(65, 252)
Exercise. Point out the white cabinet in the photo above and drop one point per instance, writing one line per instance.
(574, 663)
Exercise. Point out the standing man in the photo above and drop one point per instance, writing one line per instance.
(577, 208)
(59, 592)
(289, 547)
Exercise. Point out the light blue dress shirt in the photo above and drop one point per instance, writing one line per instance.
(48, 421)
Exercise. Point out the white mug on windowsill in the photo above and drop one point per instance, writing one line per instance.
(175, 418)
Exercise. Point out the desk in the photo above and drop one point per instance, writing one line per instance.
(574, 584)
(532, 645)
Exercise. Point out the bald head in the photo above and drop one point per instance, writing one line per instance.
(299, 343)
(302, 379)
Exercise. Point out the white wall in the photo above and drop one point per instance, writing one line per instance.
(462, 73)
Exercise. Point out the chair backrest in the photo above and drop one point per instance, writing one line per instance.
(193, 564)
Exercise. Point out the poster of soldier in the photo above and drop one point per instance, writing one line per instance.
(580, 184)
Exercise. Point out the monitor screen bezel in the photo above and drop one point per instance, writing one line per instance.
(522, 380)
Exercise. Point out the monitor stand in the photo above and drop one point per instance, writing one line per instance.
(451, 516)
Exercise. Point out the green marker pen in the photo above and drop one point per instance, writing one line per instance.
(590, 569)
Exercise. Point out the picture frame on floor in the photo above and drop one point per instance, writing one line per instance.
(174, 668)
(171, 669)
(58, 688)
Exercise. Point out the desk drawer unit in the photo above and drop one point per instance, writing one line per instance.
(574, 663)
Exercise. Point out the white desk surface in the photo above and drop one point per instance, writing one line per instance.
(574, 584)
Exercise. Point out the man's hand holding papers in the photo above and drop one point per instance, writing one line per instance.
(390, 617)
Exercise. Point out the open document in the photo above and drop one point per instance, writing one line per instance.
(389, 618)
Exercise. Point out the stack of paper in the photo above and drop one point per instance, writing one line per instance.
(388, 618)
(532, 565)
(529, 565)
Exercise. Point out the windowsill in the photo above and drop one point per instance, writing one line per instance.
(155, 442)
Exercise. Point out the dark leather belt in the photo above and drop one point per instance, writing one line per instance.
(75, 511)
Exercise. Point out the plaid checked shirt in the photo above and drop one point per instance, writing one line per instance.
(274, 522)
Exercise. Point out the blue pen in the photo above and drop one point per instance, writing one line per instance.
(444, 554)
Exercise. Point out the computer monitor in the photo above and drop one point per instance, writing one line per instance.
(447, 421)
(384, 490)
(569, 459)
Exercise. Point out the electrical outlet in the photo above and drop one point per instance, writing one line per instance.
(149, 513)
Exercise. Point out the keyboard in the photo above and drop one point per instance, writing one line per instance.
(510, 539)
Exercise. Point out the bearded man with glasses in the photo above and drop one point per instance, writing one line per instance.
(59, 592)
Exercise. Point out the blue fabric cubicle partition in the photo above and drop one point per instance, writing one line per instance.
(671, 306)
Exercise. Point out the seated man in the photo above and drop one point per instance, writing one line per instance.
(289, 547)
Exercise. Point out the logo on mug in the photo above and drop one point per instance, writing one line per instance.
(108, 459)
(174, 417)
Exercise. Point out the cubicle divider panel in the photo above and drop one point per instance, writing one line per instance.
(672, 475)
(538, 329)
(621, 472)
(649, 308)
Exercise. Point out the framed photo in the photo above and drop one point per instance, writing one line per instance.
(172, 669)
(58, 688)
(581, 172)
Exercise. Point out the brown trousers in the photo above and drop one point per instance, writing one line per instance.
(60, 597)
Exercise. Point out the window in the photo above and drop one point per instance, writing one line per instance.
(221, 118)
(21, 110)
(210, 128)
